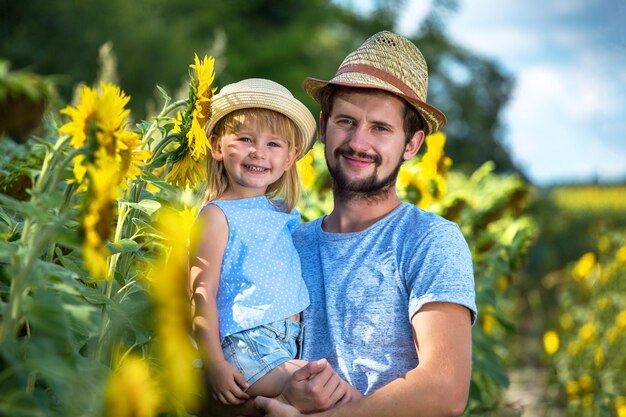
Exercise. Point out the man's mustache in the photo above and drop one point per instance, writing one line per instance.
(344, 151)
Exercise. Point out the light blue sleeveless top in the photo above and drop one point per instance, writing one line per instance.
(260, 279)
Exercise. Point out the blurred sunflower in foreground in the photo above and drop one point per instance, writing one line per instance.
(107, 156)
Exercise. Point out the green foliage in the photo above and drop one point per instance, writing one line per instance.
(59, 328)
(490, 209)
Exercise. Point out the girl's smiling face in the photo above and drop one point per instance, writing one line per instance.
(253, 159)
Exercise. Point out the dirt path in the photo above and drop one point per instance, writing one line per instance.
(527, 393)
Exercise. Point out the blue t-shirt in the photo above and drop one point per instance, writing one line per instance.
(366, 286)
(260, 279)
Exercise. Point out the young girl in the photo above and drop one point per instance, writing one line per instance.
(247, 286)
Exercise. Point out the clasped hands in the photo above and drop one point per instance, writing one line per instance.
(314, 387)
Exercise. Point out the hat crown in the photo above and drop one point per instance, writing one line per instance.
(255, 85)
(395, 55)
(265, 94)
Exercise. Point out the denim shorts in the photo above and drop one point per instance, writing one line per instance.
(257, 351)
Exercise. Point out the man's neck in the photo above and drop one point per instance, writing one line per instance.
(354, 215)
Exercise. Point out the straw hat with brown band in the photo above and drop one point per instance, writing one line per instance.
(389, 62)
(265, 94)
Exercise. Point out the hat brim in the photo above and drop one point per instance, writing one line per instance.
(434, 119)
(297, 112)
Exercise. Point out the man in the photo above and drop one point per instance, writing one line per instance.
(391, 286)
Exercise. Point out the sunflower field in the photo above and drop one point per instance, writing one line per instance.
(95, 217)
(583, 340)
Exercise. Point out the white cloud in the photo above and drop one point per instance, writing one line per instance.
(412, 15)
(568, 7)
(555, 127)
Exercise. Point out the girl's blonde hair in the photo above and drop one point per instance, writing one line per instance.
(287, 187)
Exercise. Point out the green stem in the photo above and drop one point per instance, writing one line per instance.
(166, 110)
(122, 213)
(69, 191)
(160, 146)
(48, 163)
(70, 156)
(24, 260)
(110, 275)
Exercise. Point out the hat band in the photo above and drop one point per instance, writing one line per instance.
(380, 74)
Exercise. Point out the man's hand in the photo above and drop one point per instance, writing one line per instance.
(226, 383)
(316, 387)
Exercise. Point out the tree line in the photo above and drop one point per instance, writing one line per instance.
(153, 42)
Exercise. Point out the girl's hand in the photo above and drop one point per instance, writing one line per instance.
(227, 383)
(274, 408)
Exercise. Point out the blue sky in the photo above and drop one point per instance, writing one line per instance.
(566, 121)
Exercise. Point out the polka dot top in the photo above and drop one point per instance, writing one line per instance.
(260, 279)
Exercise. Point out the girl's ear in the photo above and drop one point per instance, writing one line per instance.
(414, 145)
(291, 158)
(216, 149)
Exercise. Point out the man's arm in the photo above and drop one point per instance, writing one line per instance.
(438, 386)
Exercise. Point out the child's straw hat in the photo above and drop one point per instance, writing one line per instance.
(265, 94)
(389, 62)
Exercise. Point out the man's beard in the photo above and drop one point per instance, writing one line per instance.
(370, 189)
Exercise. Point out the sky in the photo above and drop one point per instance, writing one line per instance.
(566, 121)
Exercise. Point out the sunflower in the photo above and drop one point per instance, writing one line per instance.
(130, 390)
(97, 222)
(168, 282)
(204, 76)
(186, 172)
(306, 169)
(83, 117)
(130, 157)
(98, 122)
(188, 166)
(433, 160)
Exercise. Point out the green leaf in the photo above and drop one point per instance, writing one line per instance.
(492, 369)
(157, 182)
(69, 263)
(122, 246)
(95, 296)
(144, 228)
(147, 206)
(19, 404)
(7, 249)
(164, 93)
(52, 269)
(143, 126)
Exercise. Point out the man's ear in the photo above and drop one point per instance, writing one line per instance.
(414, 145)
(322, 129)
(216, 149)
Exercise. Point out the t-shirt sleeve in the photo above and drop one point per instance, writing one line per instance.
(440, 270)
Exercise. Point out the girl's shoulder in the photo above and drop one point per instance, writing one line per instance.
(211, 215)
